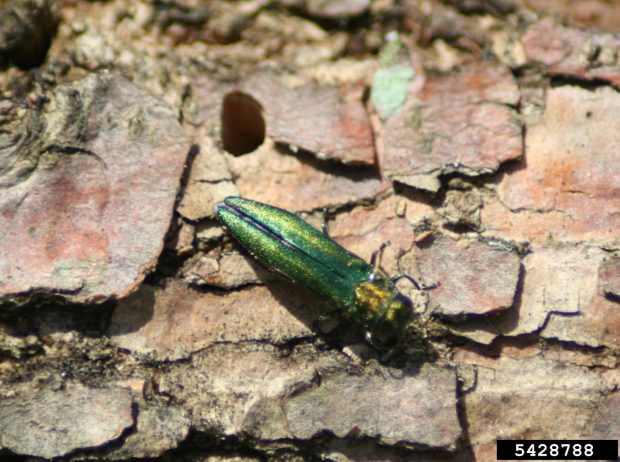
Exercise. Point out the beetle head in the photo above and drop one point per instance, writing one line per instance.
(387, 330)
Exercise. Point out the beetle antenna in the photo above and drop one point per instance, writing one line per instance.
(415, 283)
(411, 279)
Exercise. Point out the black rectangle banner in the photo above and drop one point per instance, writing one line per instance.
(557, 449)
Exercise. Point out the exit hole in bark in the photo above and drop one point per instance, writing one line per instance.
(243, 125)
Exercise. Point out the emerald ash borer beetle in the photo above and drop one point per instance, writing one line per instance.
(286, 244)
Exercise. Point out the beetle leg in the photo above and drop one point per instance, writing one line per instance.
(375, 259)
(324, 225)
(329, 316)
(389, 353)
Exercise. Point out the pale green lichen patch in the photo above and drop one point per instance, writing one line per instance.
(391, 81)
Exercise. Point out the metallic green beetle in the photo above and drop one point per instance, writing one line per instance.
(288, 245)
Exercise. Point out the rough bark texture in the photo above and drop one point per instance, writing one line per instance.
(480, 138)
